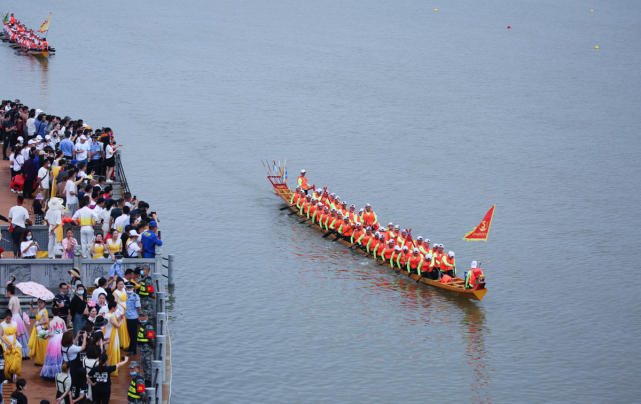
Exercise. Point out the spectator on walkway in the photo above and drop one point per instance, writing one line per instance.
(71, 194)
(67, 146)
(86, 218)
(54, 220)
(19, 217)
(68, 245)
(44, 179)
(150, 240)
(29, 247)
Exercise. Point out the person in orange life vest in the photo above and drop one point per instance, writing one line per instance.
(320, 211)
(346, 229)
(45, 44)
(330, 219)
(12, 20)
(394, 256)
(373, 244)
(474, 276)
(302, 199)
(428, 270)
(343, 208)
(414, 262)
(422, 248)
(306, 203)
(386, 253)
(353, 216)
(302, 181)
(358, 232)
(312, 208)
(295, 196)
(396, 234)
(436, 258)
(402, 237)
(448, 264)
(387, 233)
(402, 260)
(361, 236)
(369, 217)
(338, 220)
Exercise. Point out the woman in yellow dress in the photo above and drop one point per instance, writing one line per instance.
(114, 244)
(120, 297)
(110, 331)
(37, 344)
(12, 348)
(97, 248)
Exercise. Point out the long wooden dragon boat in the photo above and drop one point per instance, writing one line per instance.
(456, 286)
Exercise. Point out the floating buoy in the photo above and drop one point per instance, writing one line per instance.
(436, 9)
(508, 27)
(591, 11)
(596, 47)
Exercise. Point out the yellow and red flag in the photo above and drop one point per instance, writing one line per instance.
(45, 25)
(481, 231)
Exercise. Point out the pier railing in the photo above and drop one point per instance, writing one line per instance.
(120, 173)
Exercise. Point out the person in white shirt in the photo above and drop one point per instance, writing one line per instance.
(123, 220)
(110, 161)
(53, 219)
(81, 150)
(100, 283)
(133, 247)
(31, 124)
(19, 217)
(43, 179)
(71, 194)
(87, 218)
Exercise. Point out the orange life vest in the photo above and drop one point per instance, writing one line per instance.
(387, 253)
(357, 233)
(446, 279)
(369, 218)
(302, 181)
(365, 239)
(347, 229)
(415, 260)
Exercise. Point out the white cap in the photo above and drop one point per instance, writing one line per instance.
(83, 137)
(303, 171)
(298, 187)
(339, 213)
(404, 231)
(333, 209)
(405, 247)
(133, 233)
(344, 203)
(336, 196)
(419, 238)
(326, 207)
(47, 137)
(320, 204)
(390, 224)
(367, 204)
(397, 248)
(397, 227)
(451, 254)
(415, 250)
(359, 224)
(333, 194)
(427, 257)
(32, 141)
(427, 240)
(20, 138)
(391, 240)
(440, 245)
(362, 210)
(351, 206)
(308, 196)
(39, 138)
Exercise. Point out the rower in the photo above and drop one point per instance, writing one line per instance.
(373, 242)
(386, 253)
(299, 204)
(358, 232)
(415, 262)
(396, 233)
(403, 236)
(334, 225)
(337, 202)
(344, 210)
(330, 201)
(387, 233)
(428, 270)
(474, 277)
(394, 257)
(448, 265)
(306, 204)
(295, 196)
(346, 229)
(302, 181)
(320, 213)
(405, 255)
(421, 246)
(312, 208)
(369, 217)
(436, 258)
(363, 239)
(329, 219)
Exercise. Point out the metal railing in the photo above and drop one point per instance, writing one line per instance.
(120, 173)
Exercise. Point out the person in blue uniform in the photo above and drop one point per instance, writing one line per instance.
(150, 240)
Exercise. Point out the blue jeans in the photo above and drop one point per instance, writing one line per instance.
(78, 323)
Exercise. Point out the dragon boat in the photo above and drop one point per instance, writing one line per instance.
(457, 285)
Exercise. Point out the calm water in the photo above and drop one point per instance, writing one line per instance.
(432, 117)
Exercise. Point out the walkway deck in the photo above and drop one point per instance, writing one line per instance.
(37, 388)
